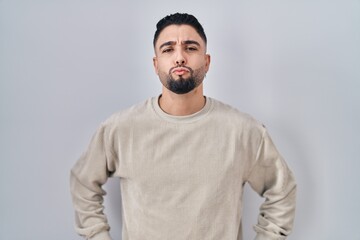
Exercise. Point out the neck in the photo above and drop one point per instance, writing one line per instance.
(182, 104)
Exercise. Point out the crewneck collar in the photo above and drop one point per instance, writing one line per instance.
(181, 119)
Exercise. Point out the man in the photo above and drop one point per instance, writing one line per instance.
(182, 158)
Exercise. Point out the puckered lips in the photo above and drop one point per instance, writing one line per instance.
(180, 71)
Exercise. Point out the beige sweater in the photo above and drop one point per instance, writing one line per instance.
(182, 178)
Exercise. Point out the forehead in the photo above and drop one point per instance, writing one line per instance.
(179, 33)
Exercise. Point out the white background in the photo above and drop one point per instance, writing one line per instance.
(65, 66)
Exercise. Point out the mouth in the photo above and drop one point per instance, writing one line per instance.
(180, 71)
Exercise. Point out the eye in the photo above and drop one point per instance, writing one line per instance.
(167, 50)
(191, 49)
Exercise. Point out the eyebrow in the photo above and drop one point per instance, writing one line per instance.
(171, 43)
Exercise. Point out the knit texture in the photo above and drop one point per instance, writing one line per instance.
(182, 177)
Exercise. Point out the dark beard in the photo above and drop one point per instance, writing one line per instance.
(181, 86)
(185, 85)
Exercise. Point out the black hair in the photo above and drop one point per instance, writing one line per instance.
(179, 19)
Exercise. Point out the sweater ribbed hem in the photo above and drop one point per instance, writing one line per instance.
(101, 236)
(264, 236)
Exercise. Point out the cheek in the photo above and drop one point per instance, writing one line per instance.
(200, 61)
(161, 67)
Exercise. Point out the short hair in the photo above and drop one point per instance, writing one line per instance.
(179, 19)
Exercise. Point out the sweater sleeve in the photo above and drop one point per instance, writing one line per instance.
(272, 179)
(87, 176)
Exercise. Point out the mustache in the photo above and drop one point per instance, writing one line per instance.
(180, 66)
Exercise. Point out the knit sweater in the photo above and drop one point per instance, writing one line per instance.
(182, 177)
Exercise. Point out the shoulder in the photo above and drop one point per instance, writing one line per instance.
(233, 116)
(127, 117)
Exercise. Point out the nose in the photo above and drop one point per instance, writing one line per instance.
(180, 59)
(180, 62)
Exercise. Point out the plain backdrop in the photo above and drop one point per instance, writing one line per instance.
(67, 65)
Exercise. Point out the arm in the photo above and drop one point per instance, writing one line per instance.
(87, 176)
(272, 179)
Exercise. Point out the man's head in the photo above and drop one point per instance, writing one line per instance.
(179, 19)
(180, 58)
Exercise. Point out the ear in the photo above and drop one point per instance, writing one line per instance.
(155, 63)
(207, 61)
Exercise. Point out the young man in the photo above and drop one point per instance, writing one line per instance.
(183, 158)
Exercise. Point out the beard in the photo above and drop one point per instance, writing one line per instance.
(183, 85)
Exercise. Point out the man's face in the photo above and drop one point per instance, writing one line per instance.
(180, 58)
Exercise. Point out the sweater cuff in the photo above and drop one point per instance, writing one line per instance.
(101, 236)
(264, 236)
